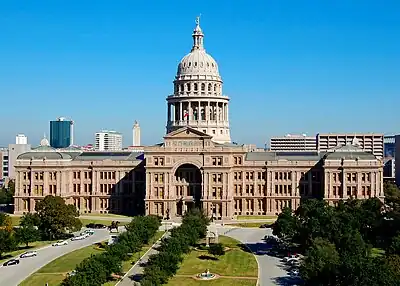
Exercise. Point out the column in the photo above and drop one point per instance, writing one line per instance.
(169, 112)
(199, 111)
(217, 111)
(190, 111)
(45, 183)
(344, 185)
(148, 191)
(358, 184)
(295, 190)
(180, 111)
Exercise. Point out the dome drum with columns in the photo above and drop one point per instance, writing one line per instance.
(197, 101)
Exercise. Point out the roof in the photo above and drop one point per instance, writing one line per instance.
(48, 155)
(290, 156)
(349, 152)
(115, 156)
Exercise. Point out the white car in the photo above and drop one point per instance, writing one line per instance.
(60, 243)
(79, 237)
(28, 254)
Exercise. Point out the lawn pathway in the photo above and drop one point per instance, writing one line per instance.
(135, 273)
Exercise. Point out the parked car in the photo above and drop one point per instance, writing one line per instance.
(60, 243)
(28, 254)
(96, 225)
(72, 273)
(89, 231)
(79, 237)
(11, 262)
(291, 257)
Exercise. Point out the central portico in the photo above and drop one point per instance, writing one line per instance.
(187, 171)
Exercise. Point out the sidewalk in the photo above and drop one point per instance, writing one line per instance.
(135, 273)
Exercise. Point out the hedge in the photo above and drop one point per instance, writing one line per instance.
(97, 269)
(165, 263)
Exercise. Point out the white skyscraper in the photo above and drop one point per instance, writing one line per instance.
(21, 139)
(106, 140)
(136, 134)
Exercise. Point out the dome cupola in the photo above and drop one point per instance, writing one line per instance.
(198, 101)
(198, 61)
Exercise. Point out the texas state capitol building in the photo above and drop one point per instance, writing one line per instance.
(195, 165)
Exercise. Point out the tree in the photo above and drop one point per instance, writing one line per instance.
(7, 194)
(27, 234)
(6, 222)
(29, 219)
(216, 249)
(320, 264)
(7, 241)
(285, 226)
(56, 217)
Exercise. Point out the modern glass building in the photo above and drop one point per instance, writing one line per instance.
(389, 145)
(61, 133)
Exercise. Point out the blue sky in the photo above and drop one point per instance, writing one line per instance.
(288, 66)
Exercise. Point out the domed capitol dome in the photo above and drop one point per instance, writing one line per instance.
(198, 101)
(198, 61)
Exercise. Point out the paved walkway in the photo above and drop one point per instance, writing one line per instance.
(270, 271)
(135, 273)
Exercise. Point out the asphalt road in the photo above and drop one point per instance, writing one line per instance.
(13, 275)
(270, 270)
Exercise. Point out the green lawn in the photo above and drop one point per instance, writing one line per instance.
(112, 217)
(127, 265)
(186, 281)
(115, 216)
(55, 271)
(246, 224)
(269, 217)
(85, 221)
(235, 263)
(22, 248)
(15, 220)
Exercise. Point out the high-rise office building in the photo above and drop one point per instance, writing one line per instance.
(108, 141)
(369, 142)
(21, 139)
(293, 143)
(61, 133)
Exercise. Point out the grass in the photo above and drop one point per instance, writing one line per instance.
(244, 217)
(110, 217)
(106, 215)
(22, 248)
(247, 224)
(15, 220)
(236, 263)
(186, 281)
(103, 221)
(127, 265)
(55, 271)
(377, 252)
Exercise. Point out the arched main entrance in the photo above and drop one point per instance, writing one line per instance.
(188, 188)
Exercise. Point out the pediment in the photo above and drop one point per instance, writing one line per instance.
(187, 133)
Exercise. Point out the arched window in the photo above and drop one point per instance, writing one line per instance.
(203, 87)
(215, 87)
(195, 87)
(209, 87)
(182, 87)
(188, 86)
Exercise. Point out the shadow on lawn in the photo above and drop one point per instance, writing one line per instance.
(207, 257)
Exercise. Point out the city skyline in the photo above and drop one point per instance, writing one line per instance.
(317, 58)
